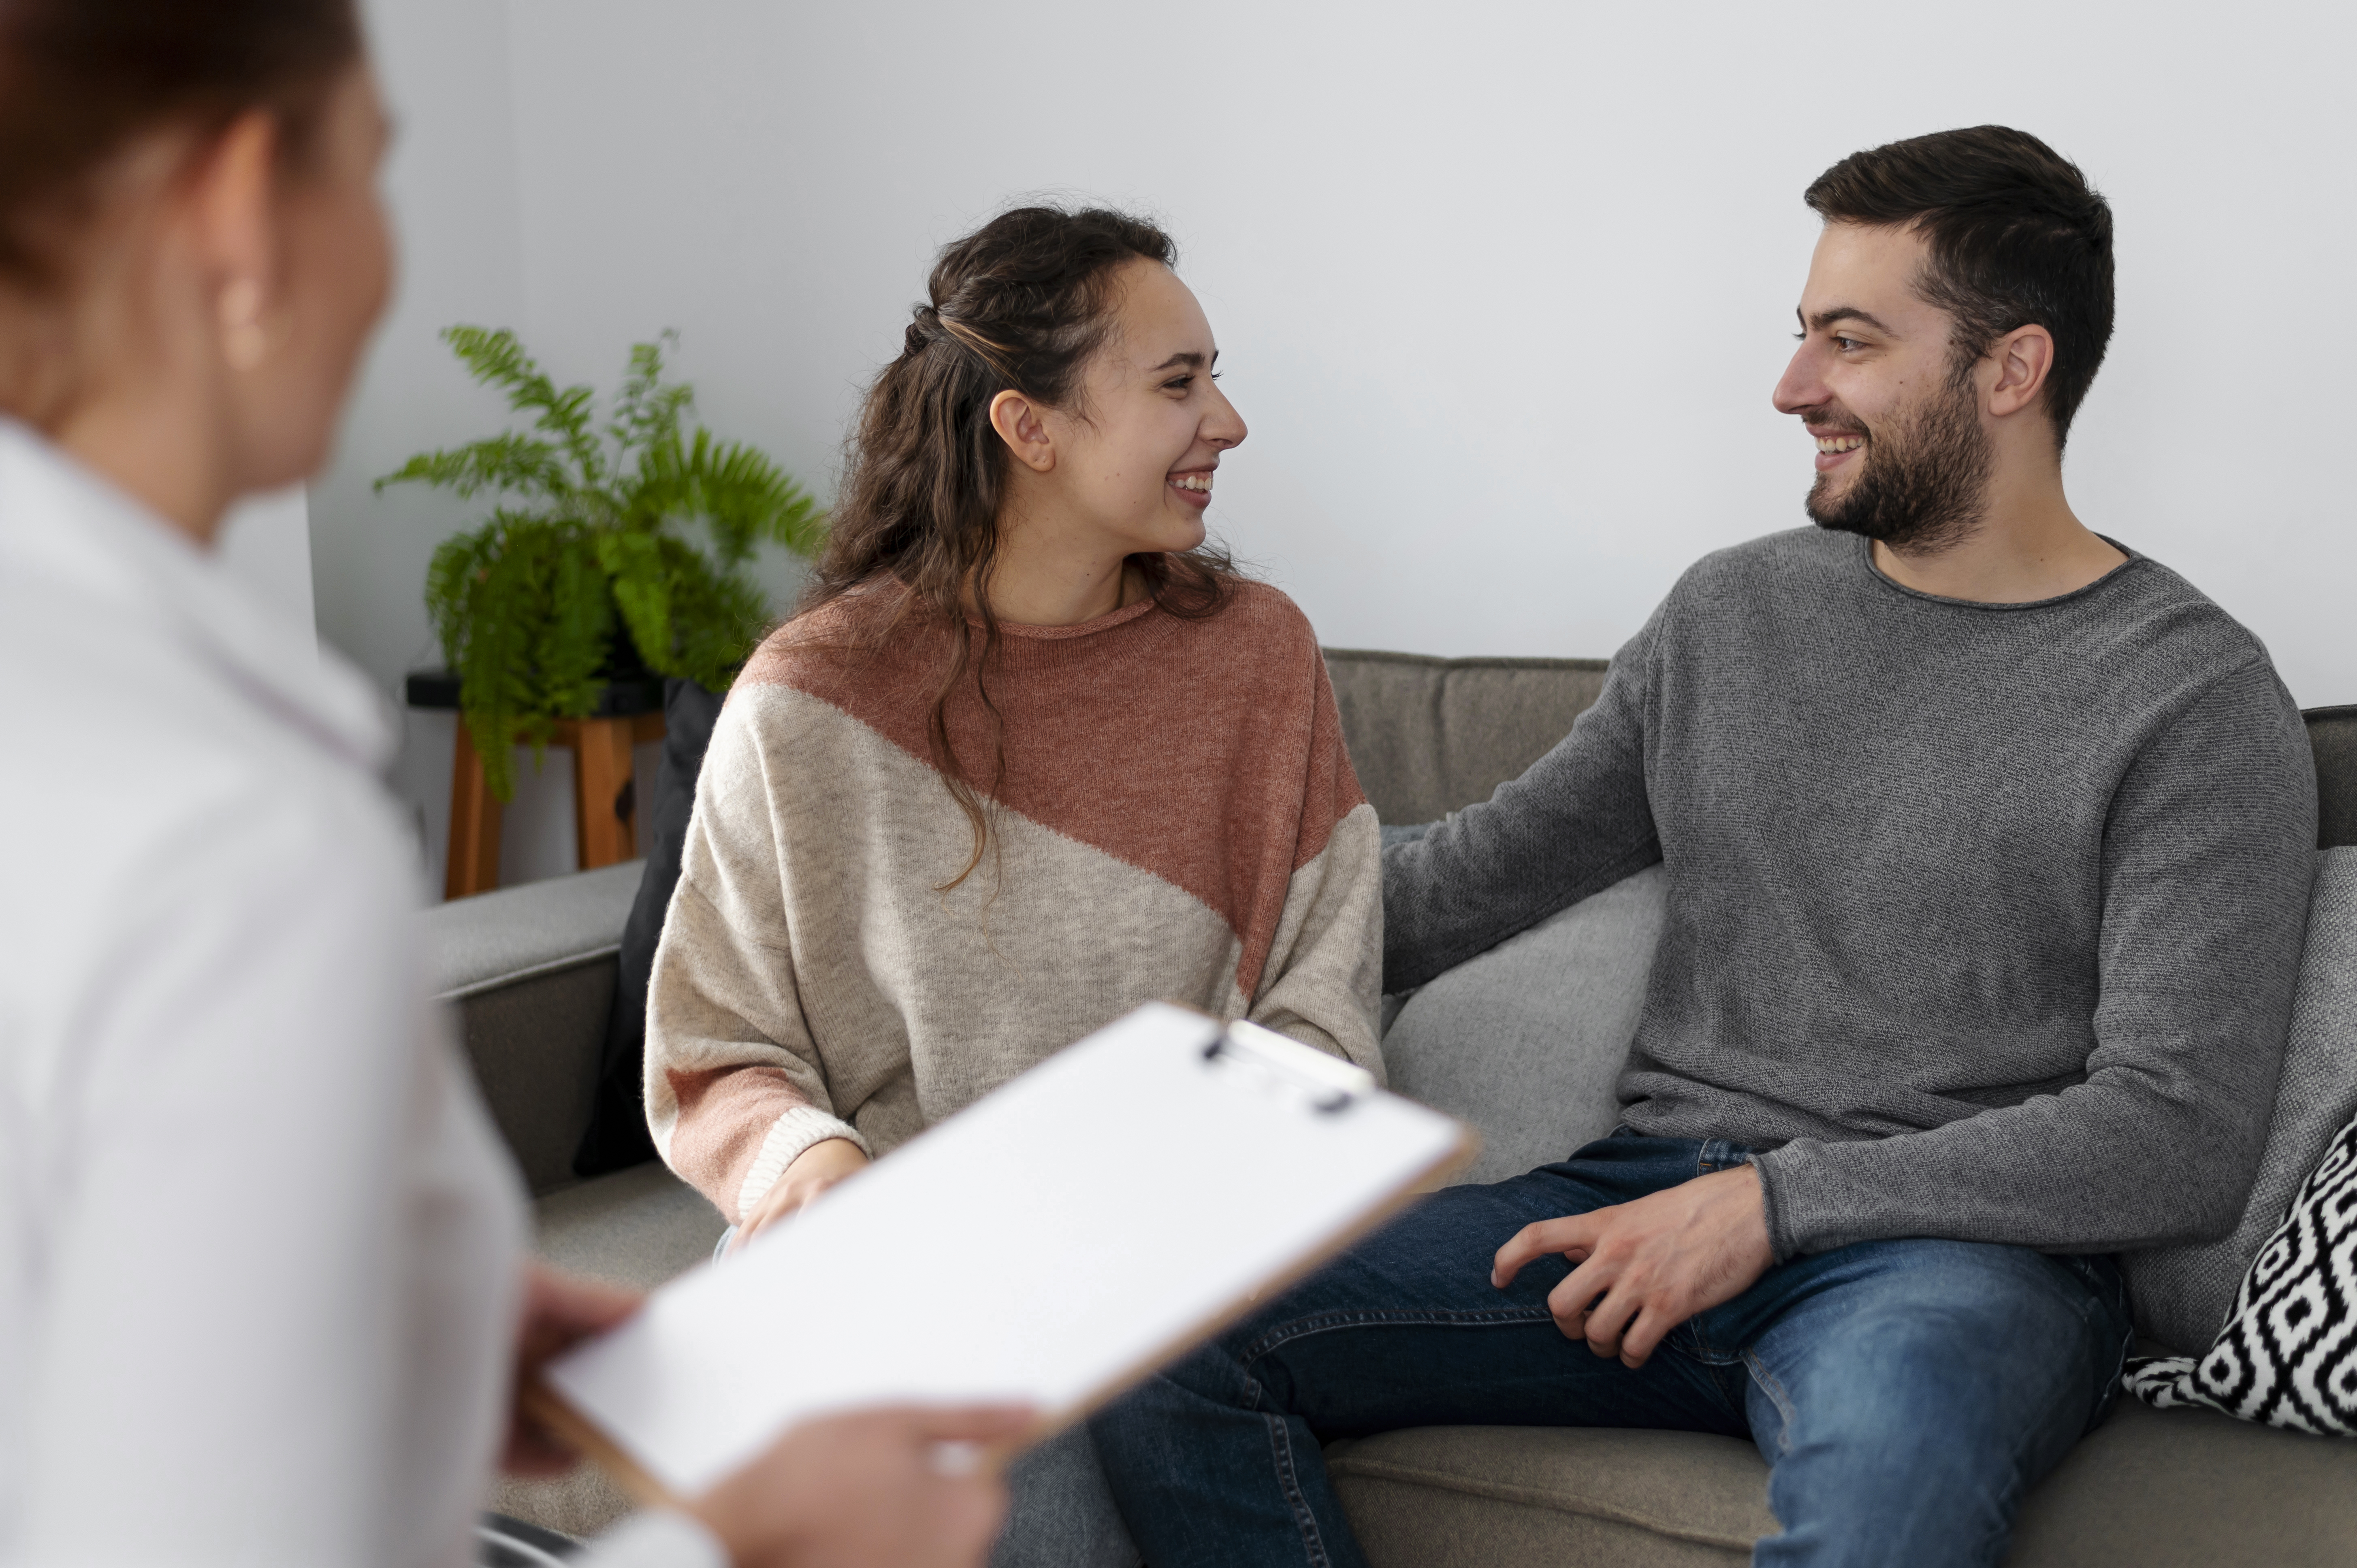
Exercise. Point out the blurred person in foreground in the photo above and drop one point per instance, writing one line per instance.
(261, 1294)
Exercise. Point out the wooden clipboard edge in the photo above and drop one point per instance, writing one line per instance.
(550, 1408)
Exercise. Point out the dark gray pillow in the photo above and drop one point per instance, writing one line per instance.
(2182, 1295)
(1526, 1041)
(616, 1136)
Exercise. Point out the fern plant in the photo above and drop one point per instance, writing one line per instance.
(591, 552)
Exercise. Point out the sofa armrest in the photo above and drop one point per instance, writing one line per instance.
(529, 972)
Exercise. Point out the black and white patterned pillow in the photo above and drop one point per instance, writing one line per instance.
(2288, 1356)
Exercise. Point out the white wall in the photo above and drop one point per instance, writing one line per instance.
(1502, 288)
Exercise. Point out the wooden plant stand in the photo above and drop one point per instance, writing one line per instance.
(605, 784)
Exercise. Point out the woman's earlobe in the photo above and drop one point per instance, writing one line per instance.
(246, 341)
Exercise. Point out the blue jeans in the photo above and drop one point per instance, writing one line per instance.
(1906, 1393)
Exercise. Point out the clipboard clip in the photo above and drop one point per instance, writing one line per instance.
(1328, 1084)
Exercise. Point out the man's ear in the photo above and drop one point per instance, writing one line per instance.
(1017, 420)
(2024, 356)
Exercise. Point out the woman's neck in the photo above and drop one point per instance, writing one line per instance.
(1045, 577)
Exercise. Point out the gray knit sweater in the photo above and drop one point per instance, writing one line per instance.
(1983, 918)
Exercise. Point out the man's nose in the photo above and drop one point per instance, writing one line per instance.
(1801, 386)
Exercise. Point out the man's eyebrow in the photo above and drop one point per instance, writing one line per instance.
(1825, 318)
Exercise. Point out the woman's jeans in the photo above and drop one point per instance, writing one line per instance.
(1906, 1393)
(1059, 1513)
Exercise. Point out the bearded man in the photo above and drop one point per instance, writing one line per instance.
(1987, 846)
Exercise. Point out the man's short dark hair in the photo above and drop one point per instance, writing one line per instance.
(2016, 235)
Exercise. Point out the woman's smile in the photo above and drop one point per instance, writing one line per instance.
(1194, 486)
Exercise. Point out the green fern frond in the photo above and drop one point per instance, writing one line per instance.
(528, 605)
(496, 359)
(505, 462)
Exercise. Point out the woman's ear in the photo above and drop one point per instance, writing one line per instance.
(1017, 420)
(235, 233)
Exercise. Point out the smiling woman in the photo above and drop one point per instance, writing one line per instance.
(1030, 753)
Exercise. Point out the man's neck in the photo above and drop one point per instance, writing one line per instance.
(2027, 547)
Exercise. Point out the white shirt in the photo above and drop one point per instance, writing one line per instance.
(258, 1243)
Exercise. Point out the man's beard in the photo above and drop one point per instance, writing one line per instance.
(1925, 480)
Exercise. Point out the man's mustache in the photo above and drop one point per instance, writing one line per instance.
(1839, 419)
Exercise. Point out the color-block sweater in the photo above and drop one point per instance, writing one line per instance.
(1175, 819)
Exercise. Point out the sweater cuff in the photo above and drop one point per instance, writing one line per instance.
(790, 1134)
(1776, 1196)
(660, 1538)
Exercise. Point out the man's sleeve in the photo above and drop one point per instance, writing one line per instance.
(2209, 853)
(1577, 820)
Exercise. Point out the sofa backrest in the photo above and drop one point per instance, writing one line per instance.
(2332, 732)
(1430, 736)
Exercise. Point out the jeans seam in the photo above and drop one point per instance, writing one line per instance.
(1776, 1394)
(1302, 1327)
(1289, 1480)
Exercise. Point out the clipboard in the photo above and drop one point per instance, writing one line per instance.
(1051, 1244)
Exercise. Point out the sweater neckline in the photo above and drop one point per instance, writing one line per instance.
(1105, 622)
(1865, 554)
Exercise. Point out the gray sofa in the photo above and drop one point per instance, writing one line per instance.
(530, 972)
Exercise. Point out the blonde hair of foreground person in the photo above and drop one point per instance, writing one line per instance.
(259, 1296)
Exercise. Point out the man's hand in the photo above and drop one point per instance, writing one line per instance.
(813, 1170)
(559, 1312)
(874, 1490)
(1645, 1267)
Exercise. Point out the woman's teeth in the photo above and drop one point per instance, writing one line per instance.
(1840, 443)
(1200, 482)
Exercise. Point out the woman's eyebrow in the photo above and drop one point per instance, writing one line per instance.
(1187, 357)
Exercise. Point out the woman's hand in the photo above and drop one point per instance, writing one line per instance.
(559, 1312)
(813, 1170)
(874, 1489)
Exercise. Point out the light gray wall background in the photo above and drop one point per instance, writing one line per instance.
(1502, 287)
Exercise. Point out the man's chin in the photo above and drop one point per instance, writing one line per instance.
(1826, 509)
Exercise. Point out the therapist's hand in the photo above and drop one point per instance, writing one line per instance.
(1644, 1268)
(559, 1312)
(872, 1489)
(813, 1170)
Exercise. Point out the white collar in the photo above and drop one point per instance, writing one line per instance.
(61, 521)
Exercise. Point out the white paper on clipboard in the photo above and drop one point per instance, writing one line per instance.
(1049, 1244)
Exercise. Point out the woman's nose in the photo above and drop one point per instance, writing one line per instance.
(1225, 426)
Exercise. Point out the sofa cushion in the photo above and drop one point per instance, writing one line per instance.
(1500, 1497)
(1526, 1041)
(2287, 1354)
(2183, 1294)
(1429, 736)
(2155, 1489)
